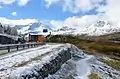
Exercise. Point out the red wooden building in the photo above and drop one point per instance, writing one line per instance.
(36, 38)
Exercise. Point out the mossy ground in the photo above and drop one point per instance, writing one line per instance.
(93, 76)
(2, 52)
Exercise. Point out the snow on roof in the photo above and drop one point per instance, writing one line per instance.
(39, 33)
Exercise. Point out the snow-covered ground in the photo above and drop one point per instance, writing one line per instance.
(81, 68)
(11, 61)
(104, 71)
(78, 67)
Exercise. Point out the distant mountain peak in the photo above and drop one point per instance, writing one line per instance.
(101, 28)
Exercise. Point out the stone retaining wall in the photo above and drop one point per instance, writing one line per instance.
(42, 71)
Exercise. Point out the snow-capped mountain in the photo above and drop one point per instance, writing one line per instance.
(64, 31)
(32, 28)
(98, 28)
(101, 28)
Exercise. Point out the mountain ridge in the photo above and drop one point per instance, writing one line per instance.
(94, 29)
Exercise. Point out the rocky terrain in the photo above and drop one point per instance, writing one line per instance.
(81, 68)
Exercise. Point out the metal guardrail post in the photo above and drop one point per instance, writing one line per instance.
(17, 47)
(28, 45)
(8, 48)
(23, 46)
(31, 45)
(34, 45)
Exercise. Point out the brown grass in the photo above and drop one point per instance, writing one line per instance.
(113, 63)
(108, 48)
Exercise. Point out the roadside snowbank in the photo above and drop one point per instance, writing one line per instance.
(48, 64)
(11, 62)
